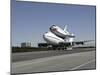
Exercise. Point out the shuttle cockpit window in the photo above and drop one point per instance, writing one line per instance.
(53, 25)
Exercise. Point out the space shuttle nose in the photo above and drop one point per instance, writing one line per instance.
(50, 27)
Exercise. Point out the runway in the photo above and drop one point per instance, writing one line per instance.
(77, 59)
(16, 57)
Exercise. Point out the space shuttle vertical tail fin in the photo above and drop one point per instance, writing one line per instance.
(65, 29)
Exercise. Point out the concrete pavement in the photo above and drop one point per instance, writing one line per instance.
(74, 61)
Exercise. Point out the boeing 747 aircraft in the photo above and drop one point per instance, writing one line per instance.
(59, 38)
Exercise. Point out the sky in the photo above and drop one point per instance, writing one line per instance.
(30, 20)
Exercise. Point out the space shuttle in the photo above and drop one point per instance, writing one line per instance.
(58, 35)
